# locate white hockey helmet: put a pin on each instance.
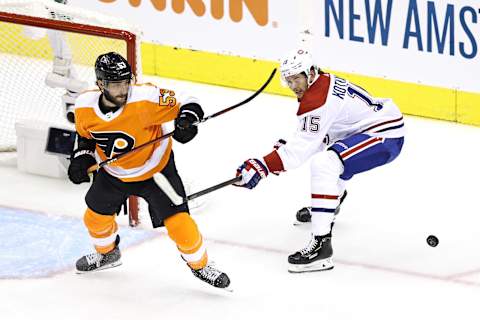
(296, 62)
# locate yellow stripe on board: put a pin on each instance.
(246, 73)
(415, 99)
(468, 107)
(212, 68)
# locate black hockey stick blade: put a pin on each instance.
(60, 141)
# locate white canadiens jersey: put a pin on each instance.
(330, 110)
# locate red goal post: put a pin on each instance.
(128, 37)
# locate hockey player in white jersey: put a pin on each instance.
(344, 130)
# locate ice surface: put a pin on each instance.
(384, 267)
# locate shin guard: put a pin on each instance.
(183, 230)
(102, 230)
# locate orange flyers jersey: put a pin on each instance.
(148, 114)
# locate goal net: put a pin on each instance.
(47, 53)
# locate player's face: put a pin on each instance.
(298, 84)
(117, 91)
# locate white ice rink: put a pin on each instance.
(383, 267)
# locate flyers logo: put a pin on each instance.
(167, 98)
(114, 142)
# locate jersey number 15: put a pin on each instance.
(311, 124)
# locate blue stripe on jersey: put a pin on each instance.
(323, 210)
(391, 128)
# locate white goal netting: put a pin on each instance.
(62, 50)
(43, 69)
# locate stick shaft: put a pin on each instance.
(212, 188)
(244, 101)
(97, 166)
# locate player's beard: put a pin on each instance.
(119, 101)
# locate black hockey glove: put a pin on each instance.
(184, 128)
(81, 159)
(80, 162)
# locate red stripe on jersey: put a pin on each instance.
(363, 145)
(324, 196)
(381, 124)
(315, 96)
(274, 162)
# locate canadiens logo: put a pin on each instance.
(113, 142)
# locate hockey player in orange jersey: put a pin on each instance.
(113, 120)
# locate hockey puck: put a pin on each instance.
(432, 241)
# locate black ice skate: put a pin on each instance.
(304, 215)
(212, 276)
(97, 261)
(316, 256)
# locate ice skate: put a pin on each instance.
(98, 261)
(213, 276)
(316, 256)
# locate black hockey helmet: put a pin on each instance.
(112, 66)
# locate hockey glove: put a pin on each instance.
(185, 130)
(252, 171)
(80, 162)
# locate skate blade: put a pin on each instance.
(228, 289)
(300, 223)
(107, 266)
(209, 286)
(297, 223)
(320, 265)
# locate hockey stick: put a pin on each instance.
(55, 148)
(216, 114)
(177, 200)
